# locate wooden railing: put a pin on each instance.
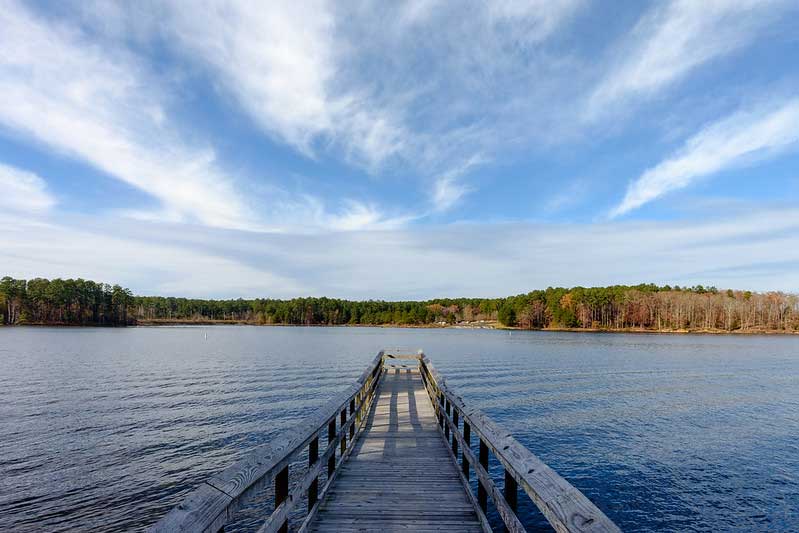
(566, 508)
(214, 503)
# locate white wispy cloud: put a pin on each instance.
(276, 62)
(730, 141)
(572, 194)
(756, 249)
(448, 190)
(281, 65)
(23, 191)
(676, 38)
(409, 90)
(101, 105)
(310, 214)
(44, 248)
(529, 20)
(94, 100)
(355, 80)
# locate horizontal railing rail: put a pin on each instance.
(564, 506)
(402, 353)
(214, 503)
(401, 361)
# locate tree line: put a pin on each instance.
(652, 307)
(618, 307)
(64, 302)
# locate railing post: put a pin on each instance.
(343, 433)
(511, 492)
(281, 493)
(439, 410)
(352, 412)
(454, 436)
(331, 437)
(446, 426)
(313, 457)
(467, 441)
(482, 495)
(359, 408)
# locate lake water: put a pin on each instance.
(106, 429)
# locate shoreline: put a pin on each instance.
(487, 326)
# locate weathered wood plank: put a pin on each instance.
(386, 473)
(281, 513)
(204, 510)
(564, 506)
(400, 476)
(503, 507)
(401, 354)
(334, 468)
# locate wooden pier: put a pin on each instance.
(400, 448)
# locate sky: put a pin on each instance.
(400, 150)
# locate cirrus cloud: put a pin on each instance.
(23, 191)
(675, 38)
(733, 140)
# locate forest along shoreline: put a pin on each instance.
(645, 308)
(491, 326)
(498, 327)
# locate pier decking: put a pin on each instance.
(400, 476)
(393, 442)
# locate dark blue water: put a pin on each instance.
(106, 429)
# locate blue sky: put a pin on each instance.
(400, 150)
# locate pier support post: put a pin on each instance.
(467, 441)
(482, 495)
(313, 456)
(331, 437)
(359, 408)
(281, 493)
(440, 411)
(352, 412)
(343, 433)
(511, 492)
(446, 426)
(454, 436)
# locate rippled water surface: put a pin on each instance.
(106, 429)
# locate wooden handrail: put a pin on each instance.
(213, 504)
(394, 354)
(566, 508)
